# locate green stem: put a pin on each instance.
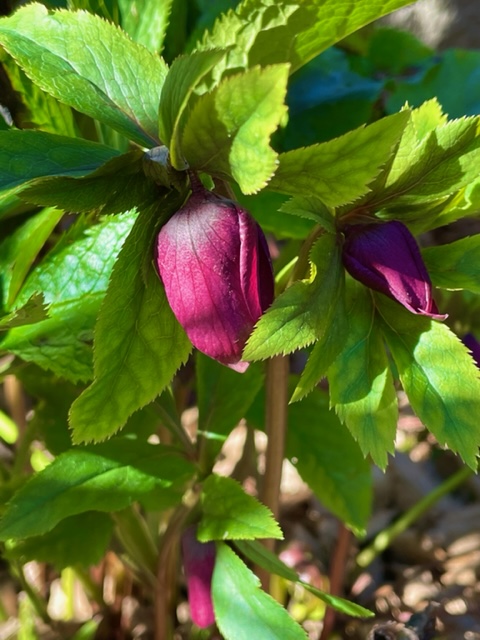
(385, 537)
(35, 598)
(133, 533)
(276, 429)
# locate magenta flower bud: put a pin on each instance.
(198, 564)
(385, 257)
(215, 265)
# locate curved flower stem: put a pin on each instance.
(276, 428)
(385, 537)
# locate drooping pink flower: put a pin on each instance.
(215, 265)
(198, 564)
(385, 257)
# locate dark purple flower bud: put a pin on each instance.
(215, 265)
(386, 257)
(473, 345)
(198, 564)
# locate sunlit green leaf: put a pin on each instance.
(242, 610)
(439, 377)
(340, 170)
(73, 279)
(229, 129)
(261, 556)
(228, 513)
(455, 265)
(139, 344)
(103, 477)
(303, 313)
(361, 383)
(80, 59)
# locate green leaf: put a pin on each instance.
(438, 376)
(117, 186)
(25, 155)
(261, 556)
(269, 32)
(73, 279)
(79, 540)
(139, 344)
(242, 610)
(38, 108)
(146, 21)
(340, 170)
(229, 513)
(455, 265)
(19, 251)
(441, 163)
(361, 383)
(303, 313)
(81, 60)
(33, 311)
(325, 350)
(182, 78)
(104, 477)
(229, 129)
(330, 461)
(312, 208)
(223, 399)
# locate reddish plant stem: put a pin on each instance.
(337, 576)
(276, 429)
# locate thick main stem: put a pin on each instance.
(276, 429)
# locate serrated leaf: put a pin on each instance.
(242, 610)
(73, 279)
(19, 251)
(325, 349)
(228, 513)
(33, 311)
(340, 170)
(312, 208)
(146, 21)
(37, 107)
(25, 155)
(223, 399)
(361, 383)
(180, 82)
(330, 461)
(441, 163)
(104, 477)
(79, 540)
(269, 32)
(117, 186)
(261, 556)
(303, 313)
(229, 129)
(438, 375)
(139, 345)
(455, 265)
(80, 59)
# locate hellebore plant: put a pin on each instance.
(198, 565)
(215, 265)
(385, 257)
